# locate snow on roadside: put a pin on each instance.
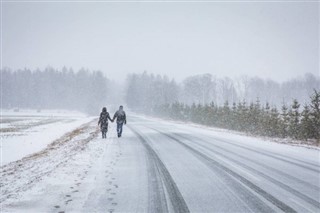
(22, 175)
(66, 177)
(235, 134)
(26, 132)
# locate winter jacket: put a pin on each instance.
(121, 116)
(103, 120)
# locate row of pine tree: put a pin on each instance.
(294, 121)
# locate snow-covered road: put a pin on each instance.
(160, 166)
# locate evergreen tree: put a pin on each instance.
(294, 120)
(213, 114)
(239, 116)
(315, 114)
(252, 118)
(284, 121)
(225, 116)
(243, 120)
(266, 126)
(193, 113)
(176, 111)
(207, 112)
(234, 117)
(258, 118)
(307, 128)
(199, 114)
(274, 123)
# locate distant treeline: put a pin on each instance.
(147, 90)
(144, 91)
(54, 89)
(193, 100)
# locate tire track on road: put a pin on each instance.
(159, 176)
(213, 164)
(272, 155)
(276, 182)
(187, 137)
(298, 162)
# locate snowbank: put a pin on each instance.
(28, 131)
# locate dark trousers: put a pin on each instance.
(119, 128)
(104, 130)
(104, 134)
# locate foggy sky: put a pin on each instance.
(278, 40)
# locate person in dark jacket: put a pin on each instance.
(121, 119)
(103, 122)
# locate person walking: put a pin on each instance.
(121, 119)
(103, 122)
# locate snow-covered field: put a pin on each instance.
(160, 166)
(28, 131)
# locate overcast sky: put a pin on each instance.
(278, 40)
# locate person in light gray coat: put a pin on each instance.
(121, 119)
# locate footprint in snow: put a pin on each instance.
(68, 201)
